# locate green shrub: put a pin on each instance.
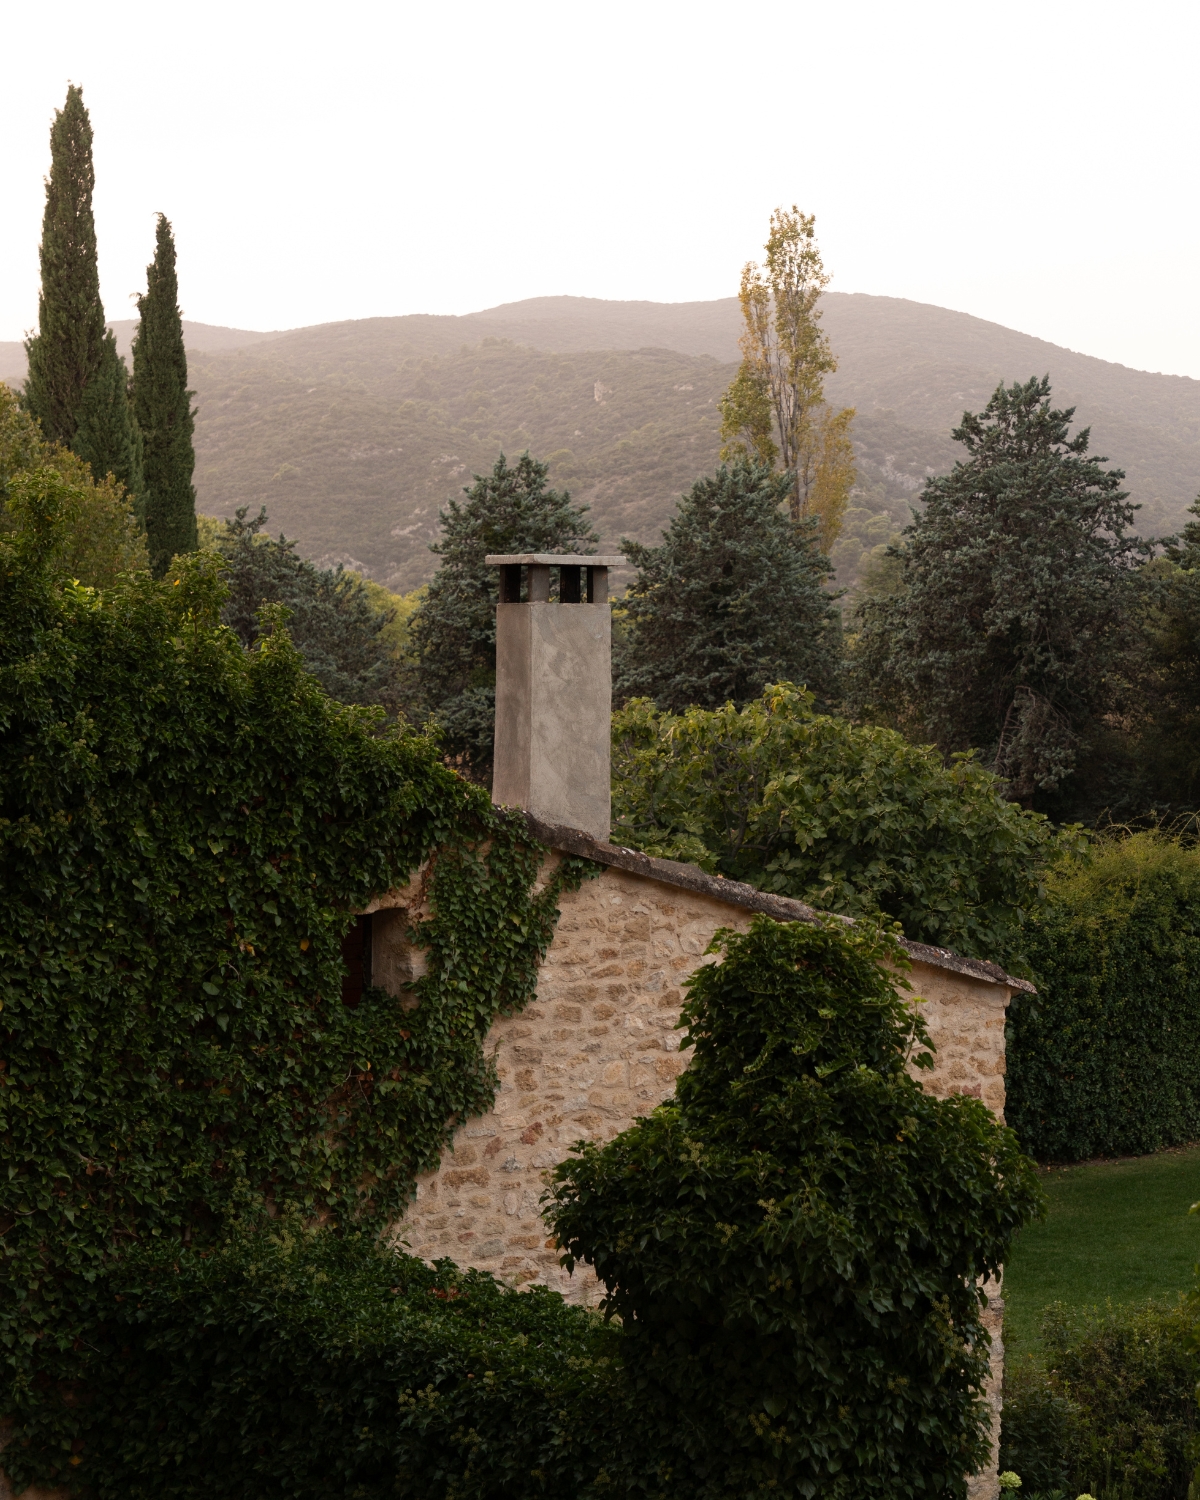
(849, 818)
(1115, 1412)
(186, 829)
(302, 1364)
(1106, 1060)
(794, 1243)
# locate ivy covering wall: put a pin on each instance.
(186, 830)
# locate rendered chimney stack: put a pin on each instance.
(554, 690)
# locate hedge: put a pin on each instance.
(1106, 1060)
(285, 1362)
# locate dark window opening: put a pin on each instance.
(356, 955)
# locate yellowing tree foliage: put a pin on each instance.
(100, 537)
(775, 409)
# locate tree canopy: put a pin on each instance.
(1010, 625)
(733, 599)
(849, 818)
(335, 625)
(453, 632)
(99, 537)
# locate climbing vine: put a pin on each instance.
(186, 832)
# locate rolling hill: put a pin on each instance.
(355, 434)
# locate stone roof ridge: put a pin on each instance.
(690, 877)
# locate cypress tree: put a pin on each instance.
(163, 408)
(68, 348)
(107, 436)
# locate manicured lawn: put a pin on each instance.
(1115, 1231)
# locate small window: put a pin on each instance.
(356, 955)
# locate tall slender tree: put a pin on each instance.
(77, 384)
(775, 409)
(68, 348)
(163, 408)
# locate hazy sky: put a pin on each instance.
(1032, 163)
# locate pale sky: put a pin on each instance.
(1031, 163)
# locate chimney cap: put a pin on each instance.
(553, 560)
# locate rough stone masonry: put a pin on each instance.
(598, 1047)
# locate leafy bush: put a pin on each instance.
(850, 818)
(298, 1363)
(99, 536)
(1115, 1411)
(794, 1243)
(1106, 1060)
(186, 829)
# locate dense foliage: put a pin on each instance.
(337, 626)
(1009, 631)
(285, 1362)
(77, 386)
(1114, 1412)
(163, 407)
(107, 437)
(99, 537)
(453, 632)
(1171, 745)
(67, 349)
(731, 600)
(1106, 1060)
(794, 1242)
(849, 818)
(186, 828)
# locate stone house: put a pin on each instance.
(598, 1047)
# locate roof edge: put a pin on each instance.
(735, 893)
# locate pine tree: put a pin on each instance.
(454, 631)
(162, 406)
(731, 601)
(107, 436)
(68, 348)
(1011, 627)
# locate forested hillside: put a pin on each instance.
(355, 434)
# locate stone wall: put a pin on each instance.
(598, 1048)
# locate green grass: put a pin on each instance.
(1114, 1232)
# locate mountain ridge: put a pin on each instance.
(355, 433)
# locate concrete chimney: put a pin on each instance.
(554, 689)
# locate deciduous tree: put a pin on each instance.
(731, 600)
(163, 407)
(775, 409)
(98, 537)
